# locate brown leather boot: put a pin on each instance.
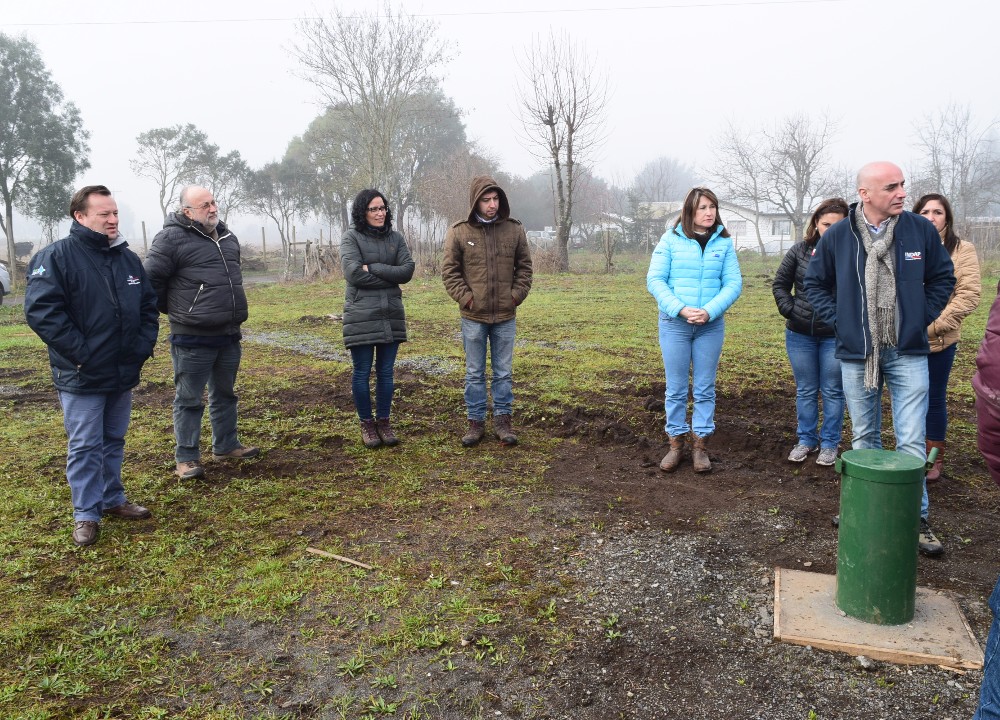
(673, 458)
(503, 426)
(369, 434)
(934, 474)
(475, 433)
(384, 430)
(699, 454)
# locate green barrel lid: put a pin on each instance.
(884, 466)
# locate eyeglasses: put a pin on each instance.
(379, 209)
(203, 206)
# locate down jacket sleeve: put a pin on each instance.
(732, 284)
(965, 298)
(49, 311)
(657, 279)
(400, 271)
(352, 264)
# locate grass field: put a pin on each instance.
(214, 609)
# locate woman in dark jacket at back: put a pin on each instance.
(376, 262)
(811, 345)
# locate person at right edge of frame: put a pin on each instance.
(487, 271)
(986, 383)
(880, 277)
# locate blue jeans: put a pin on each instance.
(989, 693)
(939, 370)
(690, 350)
(384, 357)
(816, 371)
(95, 426)
(500, 336)
(195, 367)
(906, 377)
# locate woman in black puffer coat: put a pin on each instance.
(811, 345)
(376, 262)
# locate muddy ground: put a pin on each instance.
(668, 578)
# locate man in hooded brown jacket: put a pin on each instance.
(487, 271)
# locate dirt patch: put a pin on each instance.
(666, 581)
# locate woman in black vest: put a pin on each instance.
(376, 262)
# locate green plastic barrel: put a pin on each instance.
(880, 494)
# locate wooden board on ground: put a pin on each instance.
(806, 613)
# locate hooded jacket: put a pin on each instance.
(986, 383)
(682, 274)
(197, 279)
(92, 305)
(488, 264)
(794, 307)
(373, 301)
(834, 284)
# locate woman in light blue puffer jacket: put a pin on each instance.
(694, 276)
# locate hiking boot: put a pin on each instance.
(369, 434)
(800, 452)
(934, 474)
(129, 511)
(674, 456)
(927, 541)
(475, 433)
(385, 432)
(699, 454)
(85, 532)
(503, 426)
(240, 452)
(189, 470)
(827, 456)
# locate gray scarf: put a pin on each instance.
(880, 292)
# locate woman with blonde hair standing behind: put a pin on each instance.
(943, 334)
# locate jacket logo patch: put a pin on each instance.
(913, 255)
(133, 280)
(40, 270)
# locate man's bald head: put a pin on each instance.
(881, 189)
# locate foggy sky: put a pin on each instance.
(679, 71)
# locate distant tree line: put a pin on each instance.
(389, 124)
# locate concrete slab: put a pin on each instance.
(806, 613)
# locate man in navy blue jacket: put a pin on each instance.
(88, 299)
(880, 277)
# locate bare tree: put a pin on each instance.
(563, 98)
(172, 157)
(784, 168)
(961, 160)
(663, 179)
(372, 65)
(281, 191)
(739, 172)
(227, 176)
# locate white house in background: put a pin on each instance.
(775, 228)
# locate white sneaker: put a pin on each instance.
(827, 456)
(800, 452)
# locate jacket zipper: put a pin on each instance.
(196, 296)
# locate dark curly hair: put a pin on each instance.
(359, 211)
